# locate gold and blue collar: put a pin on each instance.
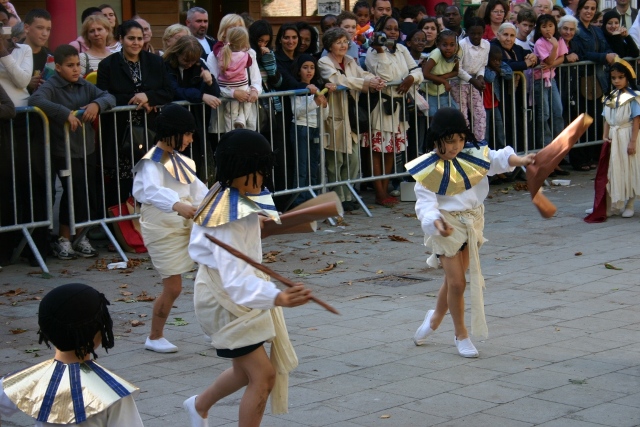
(618, 98)
(182, 168)
(223, 205)
(451, 177)
(61, 393)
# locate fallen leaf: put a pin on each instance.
(431, 295)
(385, 416)
(31, 350)
(386, 226)
(398, 238)
(379, 272)
(13, 292)
(329, 267)
(126, 293)
(611, 267)
(18, 331)
(411, 215)
(143, 297)
(578, 253)
(142, 315)
(270, 257)
(123, 286)
(179, 321)
(300, 272)
(578, 382)
(520, 186)
(135, 323)
(189, 276)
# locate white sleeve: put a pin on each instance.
(198, 190)
(254, 72)
(634, 31)
(124, 413)
(500, 161)
(7, 407)
(414, 70)
(19, 66)
(462, 73)
(427, 209)
(238, 278)
(380, 64)
(147, 187)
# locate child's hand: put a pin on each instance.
(253, 95)
(405, 85)
(611, 57)
(74, 122)
(241, 95)
(211, 100)
(332, 87)
(606, 139)
(631, 149)
(623, 31)
(525, 160)
(572, 57)
(184, 210)
(35, 83)
(313, 89)
(447, 86)
(293, 297)
(91, 111)
(361, 39)
(553, 41)
(443, 227)
(206, 77)
(320, 101)
(478, 83)
(265, 50)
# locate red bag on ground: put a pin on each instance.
(127, 231)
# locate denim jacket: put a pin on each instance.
(492, 77)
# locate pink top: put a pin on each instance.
(236, 73)
(542, 49)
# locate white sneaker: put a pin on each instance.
(466, 347)
(161, 345)
(83, 248)
(62, 249)
(195, 420)
(589, 211)
(420, 337)
(628, 213)
(395, 193)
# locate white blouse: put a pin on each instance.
(238, 278)
(15, 74)
(154, 185)
(429, 204)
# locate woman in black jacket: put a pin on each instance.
(138, 78)
(191, 81)
(618, 37)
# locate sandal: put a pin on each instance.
(389, 202)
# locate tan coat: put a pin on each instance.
(337, 124)
(392, 67)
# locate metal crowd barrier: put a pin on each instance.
(336, 170)
(26, 198)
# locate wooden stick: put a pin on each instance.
(285, 281)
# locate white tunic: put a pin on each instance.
(238, 278)
(429, 204)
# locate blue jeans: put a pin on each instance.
(308, 159)
(548, 112)
(443, 100)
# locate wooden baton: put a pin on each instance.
(285, 281)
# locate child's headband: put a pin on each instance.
(627, 66)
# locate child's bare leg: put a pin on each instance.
(455, 268)
(442, 306)
(172, 286)
(253, 370)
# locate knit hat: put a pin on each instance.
(448, 121)
(243, 152)
(70, 316)
(174, 120)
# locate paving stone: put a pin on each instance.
(610, 414)
(532, 410)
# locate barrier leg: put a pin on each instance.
(114, 241)
(34, 249)
(358, 199)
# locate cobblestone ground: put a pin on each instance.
(563, 328)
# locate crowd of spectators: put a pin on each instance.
(485, 55)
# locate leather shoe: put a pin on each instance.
(195, 420)
(420, 337)
(466, 347)
(161, 345)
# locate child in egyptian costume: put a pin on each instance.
(169, 191)
(72, 389)
(617, 183)
(238, 307)
(451, 185)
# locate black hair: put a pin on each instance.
(243, 152)
(172, 123)
(297, 64)
(409, 11)
(127, 26)
(445, 123)
(71, 315)
(544, 19)
(258, 29)
(411, 35)
(313, 44)
(446, 33)
(36, 13)
(281, 31)
(526, 15)
(621, 68)
(474, 22)
(64, 51)
(440, 8)
(495, 49)
(375, 2)
(361, 5)
(379, 27)
(90, 11)
(323, 21)
(581, 5)
(427, 20)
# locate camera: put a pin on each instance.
(380, 39)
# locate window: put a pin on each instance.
(296, 8)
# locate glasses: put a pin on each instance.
(342, 43)
(498, 12)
